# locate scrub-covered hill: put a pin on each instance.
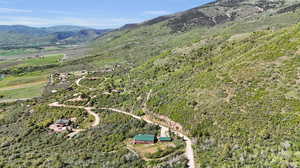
(233, 87)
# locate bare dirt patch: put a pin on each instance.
(298, 52)
(239, 37)
(143, 149)
(280, 60)
(163, 120)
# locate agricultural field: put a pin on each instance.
(7, 53)
(71, 52)
(19, 83)
(27, 85)
(45, 60)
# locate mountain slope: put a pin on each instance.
(232, 86)
(238, 96)
(222, 11)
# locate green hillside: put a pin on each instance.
(238, 95)
(233, 86)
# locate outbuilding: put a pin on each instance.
(165, 139)
(144, 139)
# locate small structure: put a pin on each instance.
(144, 139)
(165, 139)
(61, 125)
(63, 122)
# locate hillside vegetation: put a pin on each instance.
(234, 87)
(232, 84)
(238, 97)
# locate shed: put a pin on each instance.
(165, 139)
(144, 139)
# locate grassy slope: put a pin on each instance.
(239, 98)
(135, 46)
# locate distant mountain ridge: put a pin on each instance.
(15, 36)
(219, 12)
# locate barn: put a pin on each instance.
(144, 139)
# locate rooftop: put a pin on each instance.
(63, 121)
(165, 139)
(144, 137)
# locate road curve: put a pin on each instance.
(78, 81)
(87, 109)
(189, 152)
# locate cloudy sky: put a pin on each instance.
(91, 13)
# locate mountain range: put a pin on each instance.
(25, 36)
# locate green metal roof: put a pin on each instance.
(165, 139)
(144, 137)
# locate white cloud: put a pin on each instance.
(156, 12)
(87, 22)
(11, 10)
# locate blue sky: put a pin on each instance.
(91, 13)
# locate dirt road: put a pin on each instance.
(78, 81)
(189, 152)
(87, 109)
(189, 149)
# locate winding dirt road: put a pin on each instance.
(87, 109)
(189, 152)
(78, 81)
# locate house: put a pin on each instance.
(61, 125)
(63, 122)
(165, 139)
(144, 139)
